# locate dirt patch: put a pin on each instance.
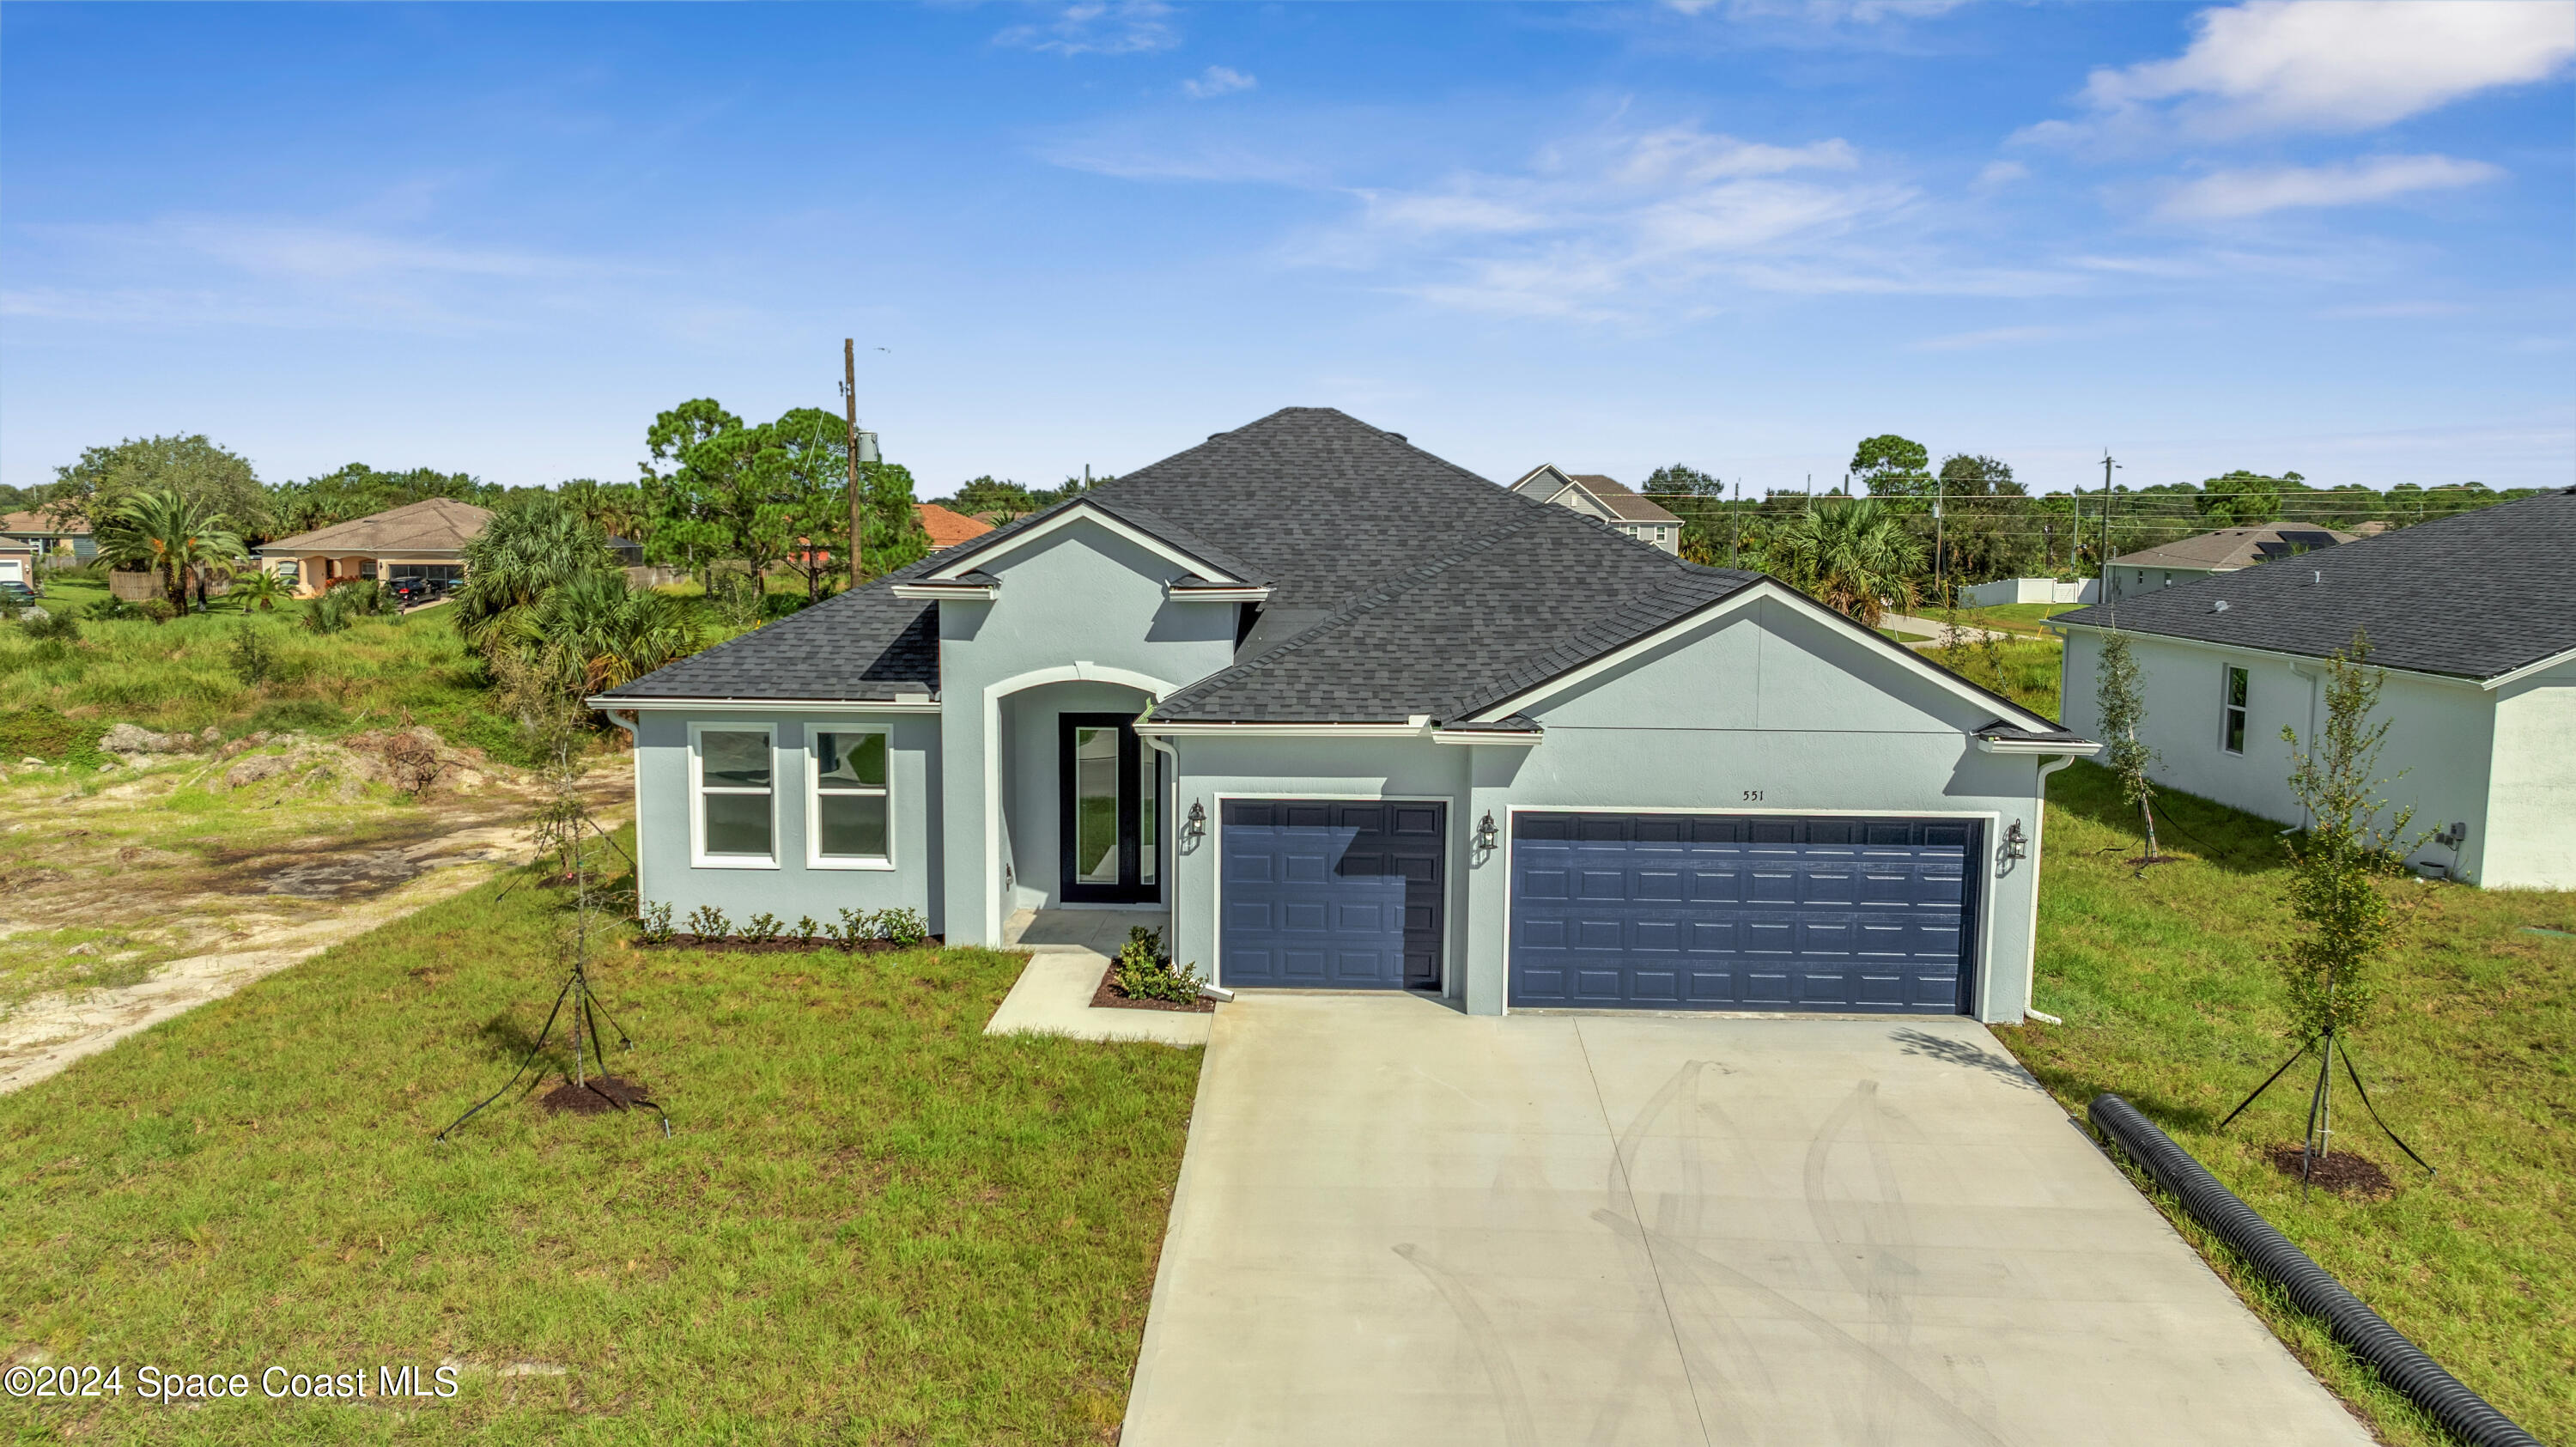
(2344, 1172)
(1110, 997)
(737, 945)
(596, 1096)
(342, 875)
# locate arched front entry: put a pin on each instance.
(1075, 810)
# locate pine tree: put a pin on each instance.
(2123, 706)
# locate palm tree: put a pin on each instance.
(611, 633)
(169, 534)
(524, 553)
(262, 587)
(1854, 557)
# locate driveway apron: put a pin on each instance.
(1398, 1224)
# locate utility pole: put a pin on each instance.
(850, 407)
(2105, 560)
(1735, 528)
(1940, 573)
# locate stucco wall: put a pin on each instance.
(663, 818)
(1767, 701)
(1082, 604)
(2531, 806)
(2436, 755)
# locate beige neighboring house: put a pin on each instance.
(28, 538)
(2223, 551)
(424, 539)
(1595, 496)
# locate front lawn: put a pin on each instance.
(2169, 1001)
(873, 1223)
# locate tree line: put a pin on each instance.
(1906, 531)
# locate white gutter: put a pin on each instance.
(2079, 749)
(1220, 594)
(2314, 659)
(2039, 814)
(1508, 738)
(1419, 726)
(933, 592)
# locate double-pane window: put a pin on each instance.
(852, 815)
(2234, 712)
(734, 785)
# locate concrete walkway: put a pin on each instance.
(1397, 1224)
(1068, 950)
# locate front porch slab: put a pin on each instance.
(1067, 951)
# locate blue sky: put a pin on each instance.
(2333, 238)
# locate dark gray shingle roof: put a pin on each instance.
(2477, 595)
(864, 644)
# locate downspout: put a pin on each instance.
(1169, 801)
(2039, 816)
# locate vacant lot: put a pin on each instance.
(872, 1223)
(2170, 1001)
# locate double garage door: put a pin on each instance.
(1735, 912)
(1332, 894)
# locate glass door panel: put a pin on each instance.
(1108, 797)
(1095, 806)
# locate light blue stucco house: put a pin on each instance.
(1352, 717)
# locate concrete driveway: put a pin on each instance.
(1397, 1224)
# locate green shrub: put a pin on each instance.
(253, 657)
(806, 929)
(761, 928)
(852, 930)
(709, 923)
(110, 610)
(902, 926)
(1144, 973)
(655, 920)
(54, 627)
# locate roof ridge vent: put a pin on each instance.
(2218, 606)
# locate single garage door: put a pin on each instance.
(1332, 894)
(1733, 912)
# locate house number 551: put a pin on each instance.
(1752, 796)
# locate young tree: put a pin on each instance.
(2123, 706)
(220, 482)
(896, 538)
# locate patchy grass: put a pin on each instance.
(2170, 1000)
(873, 1223)
(2018, 617)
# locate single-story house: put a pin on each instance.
(1355, 718)
(2223, 551)
(18, 564)
(2474, 623)
(424, 539)
(1613, 503)
(36, 535)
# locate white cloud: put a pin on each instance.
(1999, 174)
(2331, 65)
(1216, 80)
(1822, 12)
(1098, 27)
(2227, 195)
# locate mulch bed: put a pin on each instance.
(602, 1094)
(788, 945)
(2343, 1172)
(1109, 997)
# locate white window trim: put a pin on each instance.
(698, 856)
(815, 858)
(2227, 706)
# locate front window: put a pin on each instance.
(852, 813)
(2234, 710)
(735, 820)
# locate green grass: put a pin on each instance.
(179, 675)
(2018, 617)
(873, 1223)
(2170, 1001)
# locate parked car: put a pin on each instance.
(411, 589)
(12, 588)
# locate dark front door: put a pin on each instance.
(1106, 785)
(1333, 894)
(1719, 912)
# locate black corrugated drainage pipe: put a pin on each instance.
(2399, 1362)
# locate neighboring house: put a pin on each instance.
(18, 564)
(1595, 496)
(1357, 718)
(424, 539)
(948, 528)
(42, 535)
(2223, 551)
(2030, 590)
(2474, 621)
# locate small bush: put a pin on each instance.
(110, 610)
(902, 926)
(762, 928)
(156, 610)
(852, 930)
(655, 921)
(1145, 974)
(253, 656)
(806, 929)
(52, 627)
(709, 923)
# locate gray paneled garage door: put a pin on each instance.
(1737, 912)
(1332, 894)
